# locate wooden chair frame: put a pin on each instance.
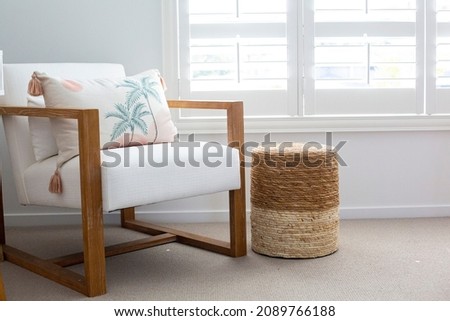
(93, 282)
(2, 289)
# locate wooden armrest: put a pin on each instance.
(70, 113)
(205, 104)
(235, 116)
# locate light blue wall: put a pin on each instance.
(118, 31)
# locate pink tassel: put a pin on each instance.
(34, 86)
(55, 185)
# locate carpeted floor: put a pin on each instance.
(407, 259)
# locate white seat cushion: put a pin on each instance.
(135, 176)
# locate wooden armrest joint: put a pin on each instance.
(235, 116)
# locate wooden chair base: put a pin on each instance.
(56, 268)
(2, 287)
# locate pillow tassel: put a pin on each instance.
(163, 83)
(55, 185)
(34, 86)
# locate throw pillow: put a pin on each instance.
(132, 110)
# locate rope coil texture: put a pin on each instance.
(294, 201)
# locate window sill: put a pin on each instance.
(363, 123)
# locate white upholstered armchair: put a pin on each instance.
(92, 184)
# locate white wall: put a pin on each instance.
(121, 31)
(389, 173)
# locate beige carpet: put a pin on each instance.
(376, 260)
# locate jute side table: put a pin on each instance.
(294, 201)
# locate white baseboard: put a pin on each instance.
(222, 216)
(386, 212)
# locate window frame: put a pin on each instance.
(298, 120)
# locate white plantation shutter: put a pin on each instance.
(440, 84)
(362, 57)
(302, 59)
(237, 49)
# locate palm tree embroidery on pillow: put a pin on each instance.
(131, 112)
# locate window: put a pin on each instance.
(237, 49)
(363, 57)
(294, 59)
(440, 85)
(231, 49)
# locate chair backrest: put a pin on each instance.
(16, 78)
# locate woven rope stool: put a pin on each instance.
(294, 201)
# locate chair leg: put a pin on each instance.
(2, 220)
(238, 230)
(238, 215)
(91, 203)
(2, 289)
(126, 214)
(93, 245)
(2, 241)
